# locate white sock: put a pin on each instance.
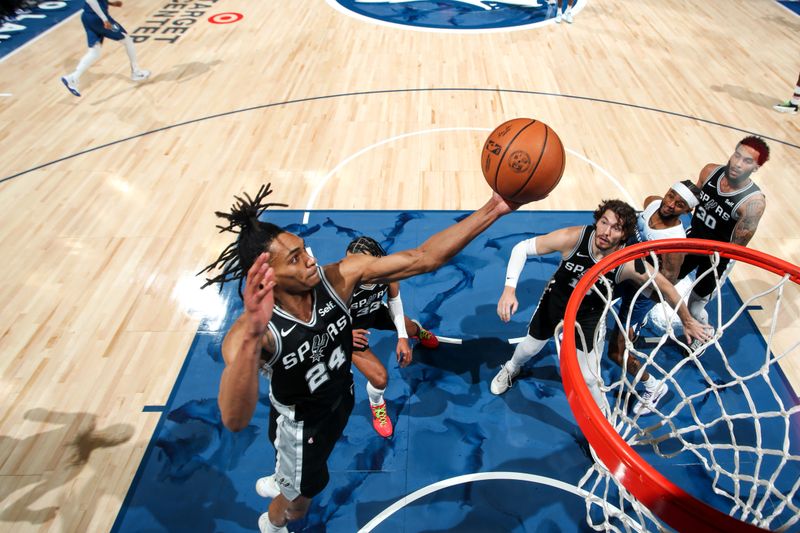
(128, 42)
(590, 367)
(375, 395)
(86, 61)
(272, 528)
(523, 352)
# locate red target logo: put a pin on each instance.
(225, 18)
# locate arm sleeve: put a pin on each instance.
(398, 317)
(519, 254)
(96, 8)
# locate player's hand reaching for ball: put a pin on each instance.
(504, 206)
(508, 304)
(259, 298)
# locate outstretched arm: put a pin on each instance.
(749, 215)
(430, 255)
(562, 240)
(692, 329)
(241, 349)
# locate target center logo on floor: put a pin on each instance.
(453, 15)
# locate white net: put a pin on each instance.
(726, 428)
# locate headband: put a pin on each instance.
(684, 192)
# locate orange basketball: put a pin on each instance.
(523, 160)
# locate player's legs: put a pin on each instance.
(301, 455)
(541, 327)
(282, 511)
(616, 349)
(636, 309)
(704, 288)
(137, 74)
(523, 353)
(590, 368)
(377, 379)
(568, 16)
(72, 80)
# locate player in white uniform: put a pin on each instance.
(659, 220)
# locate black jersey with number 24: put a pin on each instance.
(310, 369)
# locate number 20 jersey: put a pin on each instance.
(310, 369)
(715, 218)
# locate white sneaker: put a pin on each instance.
(650, 399)
(558, 17)
(502, 381)
(71, 84)
(786, 107)
(267, 487)
(140, 75)
(568, 17)
(263, 524)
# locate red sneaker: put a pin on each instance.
(427, 339)
(381, 421)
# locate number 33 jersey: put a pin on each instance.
(310, 369)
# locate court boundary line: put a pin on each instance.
(470, 478)
(392, 91)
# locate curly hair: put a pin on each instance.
(254, 237)
(625, 213)
(366, 245)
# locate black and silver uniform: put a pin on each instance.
(367, 304)
(310, 369)
(571, 270)
(715, 218)
(553, 303)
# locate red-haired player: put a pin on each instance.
(731, 205)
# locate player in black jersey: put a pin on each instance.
(369, 311)
(731, 205)
(581, 247)
(296, 328)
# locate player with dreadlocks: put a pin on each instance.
(296, 328)
(369, 310)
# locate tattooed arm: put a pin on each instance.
(749, 215)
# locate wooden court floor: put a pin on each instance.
(107, 201)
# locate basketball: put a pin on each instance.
(523, 160)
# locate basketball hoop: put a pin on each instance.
(760, 494)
